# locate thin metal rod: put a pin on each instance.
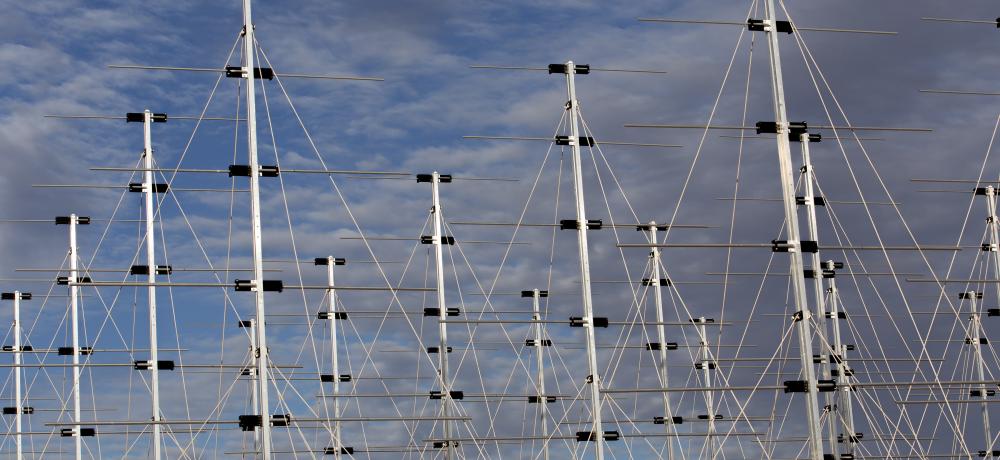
(973, 21)
(516, 224)
(109, 186)
(767, 245)
(739, 128)
(235, 422)
(744, 23)
(405, 238)
(226, 171)
(960, 92)
(204, 69)
(545, 69)
(548, 139)
(116, 117)
(224, 285)
(594, 379)
(877, 203)
(824, 137)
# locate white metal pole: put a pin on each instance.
(818, 289)
(845, 402)
(661, 334)
(148, 192)
(581, 224)
(994, 230)
(543, 408)
(18, 404)
(442, 314)
(792, 231)
(335, 363)
(975, 331)
(254, 383)
(75, 325)
(706, 374)
(261, 353)
(991, 202)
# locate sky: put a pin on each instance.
(56, 56)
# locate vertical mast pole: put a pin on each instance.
(335, 363)
(661, 333)
(706, 370)
(581, 230)
(254, 382)
(75, 325)
(18, 405)
(442, 314)
(796, 274)
(148, 191)
(261, 353)
(818, 290)
(845, 403)
(543, 408)
(991, 202)
(975, 332)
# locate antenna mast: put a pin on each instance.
(793, 245)
(19, 408)
(661, 333)
(540, 342)
(335, 363)
(809, 201)
(442, 314)
(594, 380)
(976, 320)
(74, 306)
(148, 189)
(261, 352)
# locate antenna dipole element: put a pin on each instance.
(594, 379)
(261, 351)
(796, 275)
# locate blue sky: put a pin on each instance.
(55, 56)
